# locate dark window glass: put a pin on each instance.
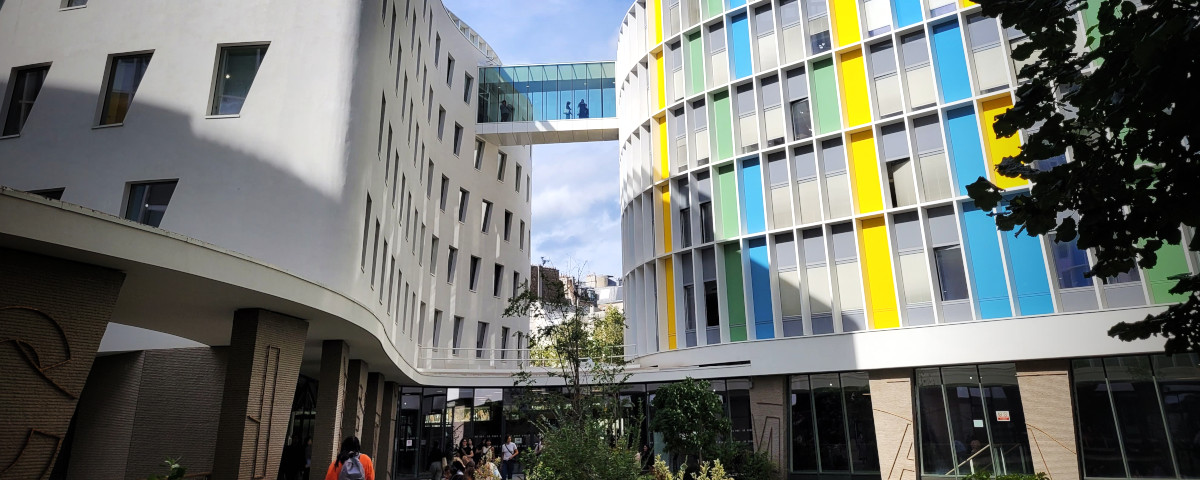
(937, 450)
(235, 74)
(1139, 419)
(804, 441)
(952, 278)
(801, 119)
(26, 85)
(148, 202)
(1179, 385)
(711, 315)
(860, 422)
(831, 428)
(1070, 263)
(685, 227)
(124, 76)
(1101, 450)
(706, 222)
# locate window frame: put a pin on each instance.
(215, 88)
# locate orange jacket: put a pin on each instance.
(368, 468)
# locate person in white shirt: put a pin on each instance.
(508, 454)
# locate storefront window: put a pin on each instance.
(971, 420)
(832, 424)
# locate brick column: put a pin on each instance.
(331, 391)
(766, 411)
(354, 405)
(1046, 399)
(891, 401)
(53, 313)
(373, 412)
(265, 351)
(387, 432)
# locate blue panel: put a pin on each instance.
(739, 43)
(1029, 274)
(951, 62)
(735, 3)
(987, 272)
(760, 289)
(752, 197)
(966, 153)
(908, 12)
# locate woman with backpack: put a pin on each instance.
(351, 465)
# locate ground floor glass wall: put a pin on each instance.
(971, 420)
(832, 426)
(1138, 416)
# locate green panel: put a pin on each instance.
(714, 7)
(1171, 262)
(727, 201)
(722, 120)
(695, 53)
(735, 293)
(824, 95)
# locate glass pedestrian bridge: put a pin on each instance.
(557, 103)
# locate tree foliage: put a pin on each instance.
(690, 417)
(1123, 103)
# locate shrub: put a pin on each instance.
(746, 464)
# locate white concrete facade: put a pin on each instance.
(285, 182)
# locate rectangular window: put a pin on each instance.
(124, 75)
(517, 183)
(27, 82)
(473, 278)
(987, 56)
(437, 49)
(497, 279)
(433, 255)
(451, 264)
(500, 166)
(1070, 263)
(148, 202)
(458, 134)
(441, 122)
(456, 341)
(375, 254)
(468, 84)
(392, 36)
(918, 71)
(391, 281)
(463, 197)
(480, 339)
(445, 192)
(362, 263)
(428, 180)
(486, 220)
(521, 240)
(508, 216)
(449, 70)
(478, 154)
(952, 277)
(503, 343)
(818, 25)
(382, 122)
(236, 69)
(437, 329)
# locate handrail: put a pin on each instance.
(985, 448)
(471, 358)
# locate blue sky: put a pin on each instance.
(576, 216)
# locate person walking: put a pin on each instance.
(508, 455)
(350, 464)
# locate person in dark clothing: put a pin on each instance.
(583, 109)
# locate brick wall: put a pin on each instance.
(891, 401)
(1046, 400)
(53, 313)
(104, 418)
(767, 412)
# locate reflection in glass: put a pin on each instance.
(235, 74)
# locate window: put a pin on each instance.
(458, 134)
(433, 254)
(480, 339)
(882, 60)
(148, 202)
(497, 279)
(382, 122)
(392, 36)
(468, 84)
(437, 329)
(236, 69)
(456, 341)
(362, 263)
(391, 280)
(987, 56)
(124, 75)
(75, 3)
(473, 277)
(818, 25)
(516, 284)
(479, 154)
(451, 264)
(521, 241)
(833, 427)
(952, 277)
(503, 343)
(960, 427)
(500, 165)
(437, 50)
(463, 197)
(429, 180)
(938, 7)
(375, 254)
(1070, 263)
(50, 193)
(486, 222)
(27, 82)
(441, 122)
(445, 192)
(517, 183)
(449, 70)
(508, 216)
(918, 72)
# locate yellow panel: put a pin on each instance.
(662, 81)
(666, 218)
(669, 298)
(845, 13)
(998, 148)
(966, 3)
(877, 274)
(857, 108)
(654, 20)
(664, 163)
(867, 193)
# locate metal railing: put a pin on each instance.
(511, 359)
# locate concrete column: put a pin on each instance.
(891, 402)
(1046, 399)
(387, 431)
(374, 414)
(354, 406)
(331, 393)
(265, 351)
(768, 415)
(53, 313)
